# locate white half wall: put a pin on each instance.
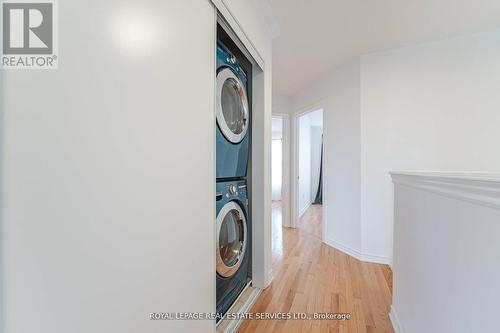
(446, 250)
(429, 107)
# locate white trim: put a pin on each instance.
(482, 176)
(396, 324)
(245, 308)
(285, 174)
(259, 177)
(365, 257)
(294, 196)
(303, 210)
(214, 177)
(294, 210)
(249, 283)
(343, 248)
(285, 186)
(376, 259)
(224, 10)
(270, 277)
(324, 179)
(476, 188)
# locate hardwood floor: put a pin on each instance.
(310, 277)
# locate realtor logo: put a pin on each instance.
(28, 34)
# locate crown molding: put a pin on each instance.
(477, 188)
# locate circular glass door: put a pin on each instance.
(232, 106)
(231, 239)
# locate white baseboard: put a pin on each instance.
(374, 258)
(304, 209)
(269, 278)
(245, 308)
(366, 257)
(344, 248)
(396, 324)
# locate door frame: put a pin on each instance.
(285, 169)
(295, 167)
(259, 178)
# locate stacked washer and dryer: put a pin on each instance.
(233, 227)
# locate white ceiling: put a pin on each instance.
(318, 35)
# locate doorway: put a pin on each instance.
(280, 178)
(309, 167)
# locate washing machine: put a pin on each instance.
(233, 230)
(233, 116)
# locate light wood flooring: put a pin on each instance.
(310, 276)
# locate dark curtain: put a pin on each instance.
(319, 194)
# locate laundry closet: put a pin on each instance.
(233, 224)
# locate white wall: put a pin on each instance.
(282, 105)
(446, 246)
(304, 164)
(429, 107)
(99, 215)
(338, 95)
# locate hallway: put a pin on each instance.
(310, 277)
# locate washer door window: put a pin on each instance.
(231, 239)
(232, 106)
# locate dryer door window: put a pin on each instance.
(231, 239)
(232, 106)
